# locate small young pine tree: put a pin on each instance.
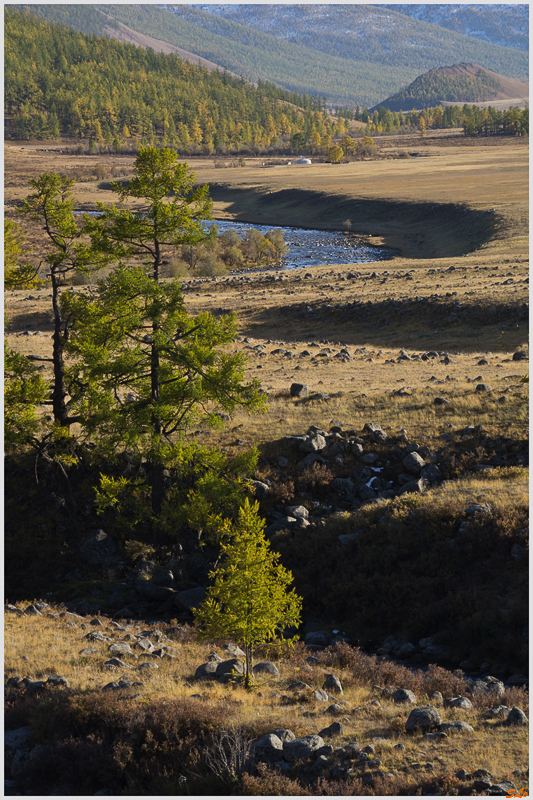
(249, 599)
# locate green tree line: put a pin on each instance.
(485, 121)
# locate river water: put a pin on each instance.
(313, 248)
(309, 247)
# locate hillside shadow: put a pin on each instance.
(407, 324)
(417, 230)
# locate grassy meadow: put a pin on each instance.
(456, 212)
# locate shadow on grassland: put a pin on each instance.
(414, 324)
(417, 230)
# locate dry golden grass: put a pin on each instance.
(462, 203)
(38, 647)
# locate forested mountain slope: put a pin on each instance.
(60, 81)
(354, 55)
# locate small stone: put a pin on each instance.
(335, 729)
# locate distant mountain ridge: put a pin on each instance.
(460, 83)
(498, 23)
(355, 55)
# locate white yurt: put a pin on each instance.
(304, 161)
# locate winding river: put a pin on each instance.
(313, 248)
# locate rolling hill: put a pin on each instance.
(461, 83)
(353, 54)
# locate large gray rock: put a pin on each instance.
(460, 702)
(489, 685)
(120, 647)
(498, 712)
(234, 649)
(232, 665)
(266, 667)
(15, 740)
(335, 729)
(151, 591)
(403, 696)
(260, 489)
(284, 734)
(190, 598)
(320, 696)
(299, 512)
(345, 487)
(268, 749)
(413, 463)
(284, 523)
(414, 487)
(457, 726)
(516, 717)
(313, 444)
(431, 473)
(299, 390)
(207, 670)
(332, 684)
(317, 638)
(503, 789)
(97, 548)
(422, 719)
(302, 748)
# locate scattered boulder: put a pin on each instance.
(207, 670)
(413, 462)
(190, 598)
(284, 734)
(151, 591)
(232, 666)
(260, 489)
(301, 749)
(516, 717)
(335, 729)
(498, 712)
(489, 684)
(332, 684)
(97, 548)
(268, 749)
(317, 638)
(459, 702)
(422, 719)
(404, 696)
(299, 390)
(457, 726)
(300, 512)
(266, 667)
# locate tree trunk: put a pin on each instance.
(59, 393)
(157, 467)
(248, 679)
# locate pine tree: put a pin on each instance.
(52, 204)
(249, 599)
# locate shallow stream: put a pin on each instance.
(312, 248)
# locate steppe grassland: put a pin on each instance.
(470, 176)
(479, 177)
(55, 648)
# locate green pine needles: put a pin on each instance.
(249, 599)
